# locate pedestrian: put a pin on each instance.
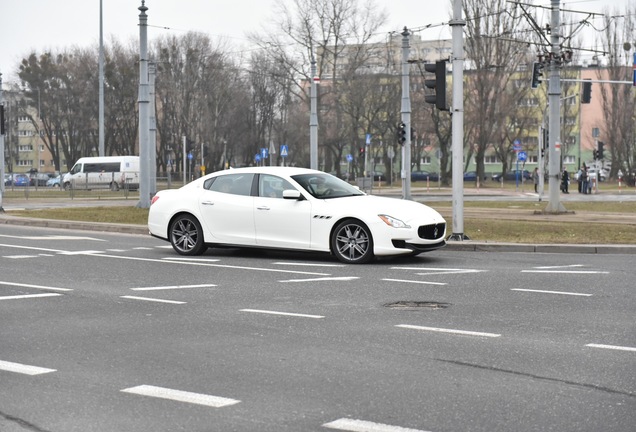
(535, 179)
(565, 181)
(584, 179)
(579, 178)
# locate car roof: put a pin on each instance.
(289, 171)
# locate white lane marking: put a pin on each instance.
(443, 330)
(556, 267)
(85, 252)
(613, 347)
(181, 396)
(439, 271)
(25, 296)
(354, 425)
(335, 278)
(19, 256)
(307, 264)
(566, 271)
(551, 292)
(23, 369)
(152, 299)
(414, 281)
(32, 248)
(116, 250)
(52, 237)
(193, 259)
(208, 264)
(169, 287)
(142, 248)
(281, 313)
(34, 286)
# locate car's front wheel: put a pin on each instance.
(186, 235)
(351, 242)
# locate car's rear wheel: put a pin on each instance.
(186, 235)
(351, 242)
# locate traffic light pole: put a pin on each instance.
(554, 94)
(1, 144)
(406, 118)
(144, 108)
(457, 144)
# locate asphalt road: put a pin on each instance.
(110, 332)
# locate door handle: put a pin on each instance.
(262, 208)
(207, 203)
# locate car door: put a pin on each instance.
(227, 209)
(280, 222)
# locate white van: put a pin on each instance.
(112, 172)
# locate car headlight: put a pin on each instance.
(391, 221)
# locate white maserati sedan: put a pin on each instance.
(294, 209)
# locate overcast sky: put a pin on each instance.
(41, 25)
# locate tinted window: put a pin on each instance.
(236, 184)
(272, 186)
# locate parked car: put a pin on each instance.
(39, 179)
(423, 176)
(470, 176)
(512, 175)
(592, 173)
(21, 180)
(55, 181)
(378, 176)
(291, 208)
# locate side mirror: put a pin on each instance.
(292, 194)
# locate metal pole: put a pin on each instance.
(184, 158)
(152, 147)
(313, 118)
(457, 145)
(1, 146)
(406, 117)
(144, 162)
(554, 93)
(101, 81)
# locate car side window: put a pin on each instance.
(272, 186)
(235, 184)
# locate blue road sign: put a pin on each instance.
(190, 156)
(257, 158)
(522, 156)
(349, 158)
(516, 145)
(284, 150)
(264, 153)
(368, 139)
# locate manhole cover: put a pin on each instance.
(416, 305)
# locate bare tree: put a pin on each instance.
(492, 100)
(618, 100)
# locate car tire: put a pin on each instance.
(186, 235)
(351, 242)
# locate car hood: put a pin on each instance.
(405, 210)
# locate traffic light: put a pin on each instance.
(361, 151)
(401, 133)
(599, 152)
(1, 119)
(595, 154)
(537, 73)
(438, 84)
(586, 97)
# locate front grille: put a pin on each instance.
(432, 232)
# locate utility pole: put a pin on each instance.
(406, 117)
(313, 117)
(457, 144)
(101, 82)
(554, 120)
(1, 144)
(144, 162)
(152, 147)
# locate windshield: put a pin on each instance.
(323, 186)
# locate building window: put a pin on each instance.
(25, 148)
(491, 160)
(569, 159)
